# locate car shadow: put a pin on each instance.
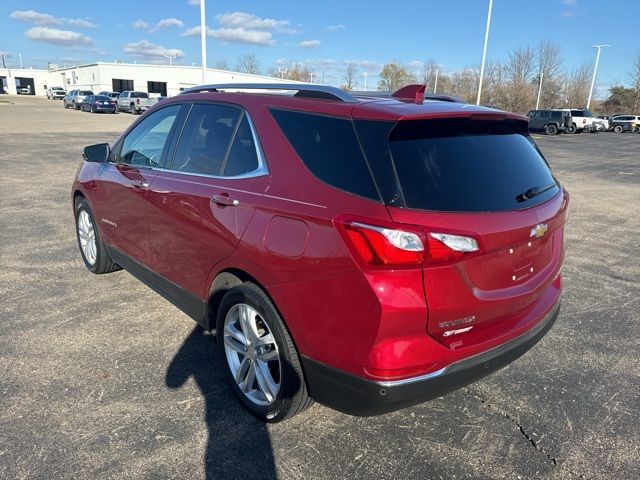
(238, 445)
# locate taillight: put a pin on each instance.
(385, 246)
(444, 247)
(398, 246)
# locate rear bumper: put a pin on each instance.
(358, 396)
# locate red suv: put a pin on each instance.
(369, 253)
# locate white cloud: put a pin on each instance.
(336, 28)
(79, 22)
(309, 43)
(34, 17)
(234, 35)
(140, 24)
(55, 36)
(570, 3)
(194, 2)
(45, 19)
(168, 22)
(148, 50)
(249, 21)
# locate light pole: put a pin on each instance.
(20, 57)
(595, 71)
(365, 80)
(484, 51)
(310, 77)
(435, 84)
(539, 89)
(283, 72)
(203, 41)
(170, 56)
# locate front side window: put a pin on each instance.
(216, 140)
(144, 144)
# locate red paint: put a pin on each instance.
(370, 320)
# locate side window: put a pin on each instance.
(205, 139)
(243, 156)
(144, 144)
(329, 148)
(545, 114)
(533, 114)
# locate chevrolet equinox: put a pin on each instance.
(367, 252)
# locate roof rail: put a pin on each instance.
(303, 90)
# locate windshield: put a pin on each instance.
(464, 165)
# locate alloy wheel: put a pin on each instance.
(87, 236)
(252, 354)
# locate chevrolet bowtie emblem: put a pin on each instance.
(539, 230)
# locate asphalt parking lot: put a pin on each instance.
(102, 378)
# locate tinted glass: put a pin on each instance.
(101, 98)
(139, 95)
(577, 113)
(205, 139)
(143, 146)
(329, 148)
(545, 114)
(85, 92)
(243, 156)
(468, 166)
(556, 115)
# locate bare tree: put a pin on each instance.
(350, 77)
(248, 63)
(464, 83)
(394, 75)
(577, 86)
(519, 90)
(634, 76)
(293, 71)
(427, 75)
(222, 65)
(549, 67)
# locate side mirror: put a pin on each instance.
(98, 153)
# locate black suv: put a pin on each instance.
(551, 122)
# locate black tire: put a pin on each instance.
(551, 130)
(65, 104)
(293, 396)
(93, 110)
(618, 129)
(75, 106)
(572, 128)
(132, 109)
(103, 262)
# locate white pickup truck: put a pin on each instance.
(134, 102)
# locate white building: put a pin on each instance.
(116, 77)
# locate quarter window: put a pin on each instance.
(329, 148)
(144, 144)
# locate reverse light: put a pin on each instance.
(445, 247)
(385, 246)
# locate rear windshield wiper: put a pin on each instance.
(534, 191)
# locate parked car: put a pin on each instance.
(552, 122)
(24, 90)
(582, 120)
(98, 103)
(623, 123)
(112, 95)
(134, 102)
(74, 98)
(56, 93)
(368, 253)
(601, 123)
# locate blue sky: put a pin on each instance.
(325, 36)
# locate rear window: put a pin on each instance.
(139, 95)
(85, 92)
(329, 148)
(468, 166)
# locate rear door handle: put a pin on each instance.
(224, 199)
(139, 184)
